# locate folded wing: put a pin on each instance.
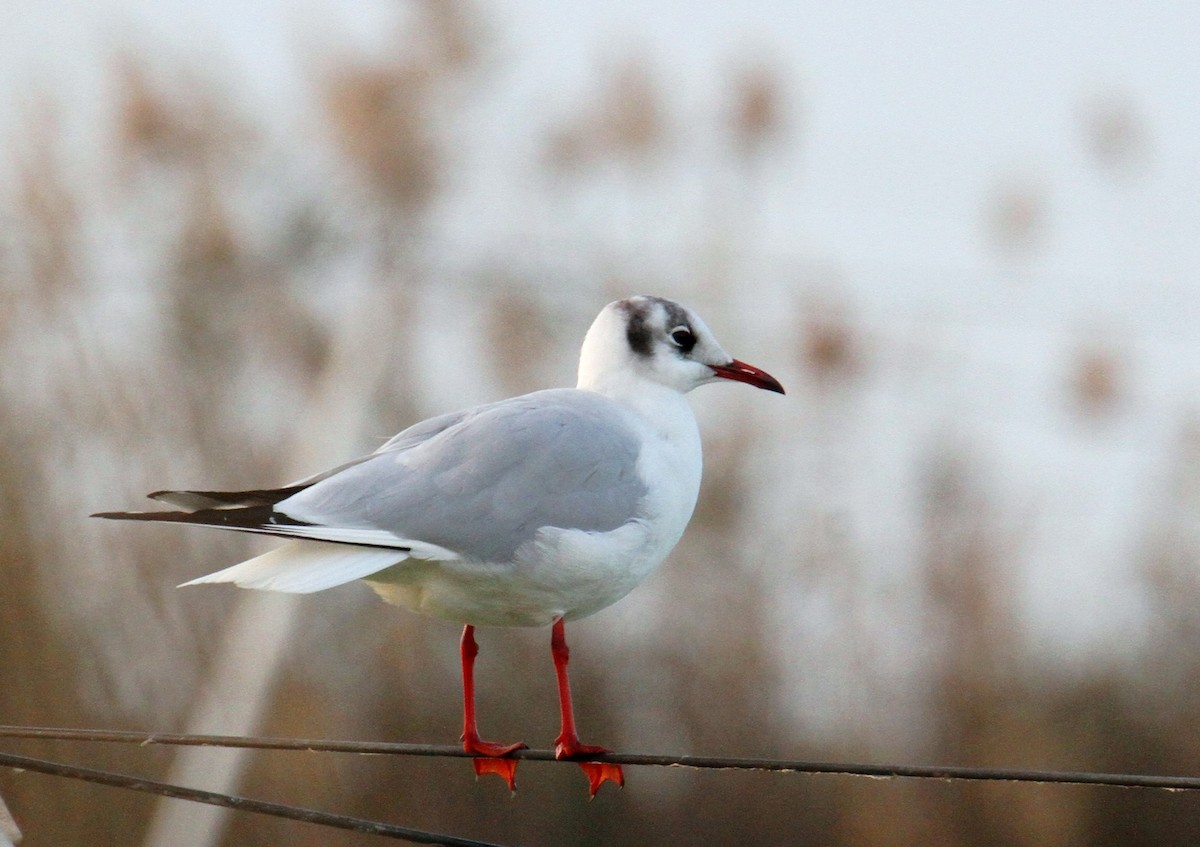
(484, 486)
(473, 485)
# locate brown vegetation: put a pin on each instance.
(201, 369)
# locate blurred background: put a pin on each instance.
(244, 241)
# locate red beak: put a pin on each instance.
(741, 372)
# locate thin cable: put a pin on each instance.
(949, 773)
(243, 804)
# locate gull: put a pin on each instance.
(531, 511)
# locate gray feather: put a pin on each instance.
(484, 481)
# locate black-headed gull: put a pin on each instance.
(531, 511)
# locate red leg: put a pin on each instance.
(490, 752)
(567, 745)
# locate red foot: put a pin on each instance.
(490, 748)
(597, 773)
(506, 769)
(567, 745)
(570, 748)
(491, 759)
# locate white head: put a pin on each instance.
(658, 341)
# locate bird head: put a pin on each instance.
(660, 341)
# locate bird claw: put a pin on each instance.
(491, 759)
(597, 773)
(491, 749)
(506, 769)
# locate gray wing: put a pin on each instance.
(426, 429)
(487, 480)
(403, 440)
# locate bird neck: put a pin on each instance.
(664, 409)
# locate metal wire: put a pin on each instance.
(941, 772)
(244, 804)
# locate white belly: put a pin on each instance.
(564, 574)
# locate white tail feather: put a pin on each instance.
(302, 567)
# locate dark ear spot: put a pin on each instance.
(637, 333)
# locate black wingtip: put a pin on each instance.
(247, 518)
(140, 516)
(194, 501)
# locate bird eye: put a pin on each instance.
(683, 338)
